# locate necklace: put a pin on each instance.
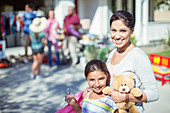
(124, 50)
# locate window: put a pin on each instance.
(161, 10)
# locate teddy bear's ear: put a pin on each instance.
(131, 75)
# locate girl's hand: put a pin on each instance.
(88, 89)
(72, 102)
(44, 41)
(70, 99)
(117, 96)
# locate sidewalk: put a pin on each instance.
(21, 94)
(20, 51)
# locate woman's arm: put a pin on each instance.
(144, 72)
(147, 83)
(46, 30)
(121, 97)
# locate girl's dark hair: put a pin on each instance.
(125, 16)
(97, 65)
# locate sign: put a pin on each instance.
(160, 60)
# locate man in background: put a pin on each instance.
(27, 19)
(71, 26)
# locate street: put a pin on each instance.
(21, 94)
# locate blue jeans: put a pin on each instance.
(50, 59)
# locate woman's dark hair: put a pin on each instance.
(125, 16)
(97, 65)
(50, 10)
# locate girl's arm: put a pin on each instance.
(44, 41)
(72, 102)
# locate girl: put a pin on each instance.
(98, 77)
(37, 43)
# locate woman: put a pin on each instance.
(37, 43)
(52, 36)
(127, 58)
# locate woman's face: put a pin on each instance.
(51, 14)
(97, 81)
(120, 34)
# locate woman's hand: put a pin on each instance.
(117, 96)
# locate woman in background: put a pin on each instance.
(52, 37)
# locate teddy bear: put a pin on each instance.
(125, 84)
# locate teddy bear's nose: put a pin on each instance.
(123, 89)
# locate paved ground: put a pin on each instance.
(19, 93)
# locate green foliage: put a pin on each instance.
(158, 2)
(164, 41)
(92, 52)
(167, 41)
(132, 39)
(168, 37)
(164, 53)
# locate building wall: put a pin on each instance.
(87, 8)
(97, 11)
(158, 31)
(61, 9)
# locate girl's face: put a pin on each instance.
(120, 34)
(97, 81)
(36, 35)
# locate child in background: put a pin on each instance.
(38, 42)
(98, 77)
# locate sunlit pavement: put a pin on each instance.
(21, 94)
(162, 105)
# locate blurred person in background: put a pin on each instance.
(27, 20)
(71, 27)
(38, 41)
(52, 37)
